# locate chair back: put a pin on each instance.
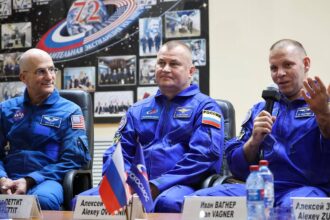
(84, 101)
(228, 113)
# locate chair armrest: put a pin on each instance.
(208, 182)
(75, 182)
(226, 179)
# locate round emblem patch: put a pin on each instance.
(122, 123)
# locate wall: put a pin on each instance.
(241, 32)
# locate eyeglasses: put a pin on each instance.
(44, 71)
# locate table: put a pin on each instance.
(68, 215)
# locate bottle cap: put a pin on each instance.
(263, 163)
(254, 167)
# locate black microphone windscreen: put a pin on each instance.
(271, 94)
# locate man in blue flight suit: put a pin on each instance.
(295, 138)
(42, 135)
(180, 130)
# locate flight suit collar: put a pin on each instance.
(49, 101)
(190, 91)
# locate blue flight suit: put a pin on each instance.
(181, 149)
(45, 142)
(297, 152)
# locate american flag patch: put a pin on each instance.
(211, 118)
(78, 122)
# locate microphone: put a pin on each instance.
(271, 95)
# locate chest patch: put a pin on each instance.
(19, 114)
(51, 121)
(183, 112)
(304, 112)
(150, 113)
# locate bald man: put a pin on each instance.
(181, 146)
(40, 136)
(295, 137)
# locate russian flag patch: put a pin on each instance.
(211, 118)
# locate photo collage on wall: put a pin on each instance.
(107, 48)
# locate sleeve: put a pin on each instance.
(128, 138)
(73, 154)
(203, 157)
(3, 143)
(237, 162)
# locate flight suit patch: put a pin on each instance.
(211, 118)
(183, 112)
(19, 114)
(122, 123)
(150, 113)
(304, 112)
(51, 121)
(78, 122)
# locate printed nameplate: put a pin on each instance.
(91, 207)
(214, 207)
(21, 206)
(311, 208)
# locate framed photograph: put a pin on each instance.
(9, 66)
(79, 78)
(198, 49)
(41, 1)
(10, 90)
(195, 78)
(182, 23)
(150, 35)
(117, 70)
(146, 3)
(5, 8)
(22, 4)
(147, 71)
(146, 91)
(16, 35)
(112, 104)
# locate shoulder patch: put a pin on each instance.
(247, 117)
(211, 118)
(122, 123)
(78, 122)
(117, 137)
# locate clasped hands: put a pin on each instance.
(16, 187)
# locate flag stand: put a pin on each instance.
(130, 204)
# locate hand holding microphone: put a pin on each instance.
(262, 124)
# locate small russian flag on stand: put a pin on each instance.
(138, 179)
(114, 190)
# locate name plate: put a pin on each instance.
(311, 208)
(20, 206)
(214, 207)
(91, 207)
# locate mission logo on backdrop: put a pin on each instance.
(88, 27)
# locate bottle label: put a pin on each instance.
(255, 194)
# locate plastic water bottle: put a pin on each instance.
(255, 195)
(269, 184)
